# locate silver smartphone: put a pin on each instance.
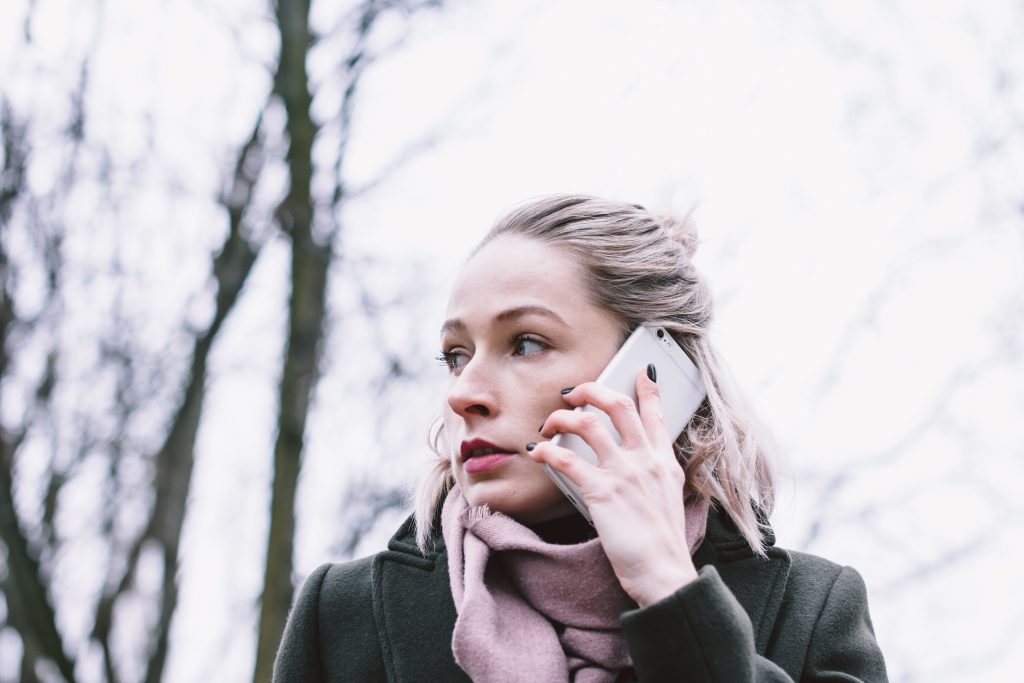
(679, 383)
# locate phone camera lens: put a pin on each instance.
(661, 333)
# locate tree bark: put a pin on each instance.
(28, 601)
(176, 458)
(311, 259)
(24, 586)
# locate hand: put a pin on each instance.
(635, 492)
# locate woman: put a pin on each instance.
(497, 578)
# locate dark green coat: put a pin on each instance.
(791, 616)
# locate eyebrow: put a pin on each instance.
(456, 325)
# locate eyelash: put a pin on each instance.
(449, 358)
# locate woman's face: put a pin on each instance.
(520, 328)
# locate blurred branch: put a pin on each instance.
(935, 415)
(175, 458)
(965, 550)
(312, 242)
(363, 505)
(28, 601)
(310, 262)
(24, 586)
(15, 163)
(354, 64)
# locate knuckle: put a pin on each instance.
(588, 421)
(679, 476)
(629, 479)
(674, 474)
(615, 487)
(652, 468)
(624, 404)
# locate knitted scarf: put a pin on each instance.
(532, 611)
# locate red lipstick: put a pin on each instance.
(479, 455)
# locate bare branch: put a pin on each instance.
(311, 260)
(24, 586)
(175, 458)
(363, 505)
(27, 597)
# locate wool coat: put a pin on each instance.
(788, 617)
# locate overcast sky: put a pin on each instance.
(855, 172)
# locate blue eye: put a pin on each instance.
(524, 345)
(453, 360)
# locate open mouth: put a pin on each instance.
(477, 452)
(478, 448)
(482, 456)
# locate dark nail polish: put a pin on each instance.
(567, 390)
(530, 446)
(652, 372)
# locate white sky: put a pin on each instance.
(855, 171)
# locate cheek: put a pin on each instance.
(450, 418)
(568, 373)
(452, 426)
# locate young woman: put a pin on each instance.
(496, 577)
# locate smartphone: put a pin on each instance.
(679, 383)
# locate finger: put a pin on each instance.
(621, 409)
(565, 462)
(651, 414)
(587, 425)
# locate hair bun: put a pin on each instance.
(682, 230)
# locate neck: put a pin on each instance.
(566, 530)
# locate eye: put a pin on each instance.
(453, 360)
(525, 345)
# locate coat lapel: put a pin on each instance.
(415, 614)
(757, 582)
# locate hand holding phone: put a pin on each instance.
(679, 383)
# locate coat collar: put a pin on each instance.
(758, 583)
(415, 613)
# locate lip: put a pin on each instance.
(485, 463)
(471, 445)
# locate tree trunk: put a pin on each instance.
(311, 260)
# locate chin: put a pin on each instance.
(526, 507)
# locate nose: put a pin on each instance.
(473, 391)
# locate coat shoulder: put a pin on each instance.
(810, 574)
(817, 586)
(824, 625)
(347, 589)
(349, 627)
(331, 632)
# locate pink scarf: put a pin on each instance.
(535, 611)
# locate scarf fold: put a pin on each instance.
(529, 610)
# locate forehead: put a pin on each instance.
(512, 270)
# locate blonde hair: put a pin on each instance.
(640, 268)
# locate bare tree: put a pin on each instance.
(31, 548)
(106, 428)
(312, 225)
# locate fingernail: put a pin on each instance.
(652, 372)
(541, 428)
(530, 446)
(567, 390)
